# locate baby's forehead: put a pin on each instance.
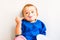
(31, 8)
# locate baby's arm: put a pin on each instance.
(18, 25)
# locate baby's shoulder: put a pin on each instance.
(39, 21)
(25, 22)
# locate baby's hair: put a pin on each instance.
(27, 5)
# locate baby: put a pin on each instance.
(28, 26)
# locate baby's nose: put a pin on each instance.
(30, 14)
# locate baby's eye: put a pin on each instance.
(32, 11)
(26, 12)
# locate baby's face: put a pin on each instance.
(30, 13)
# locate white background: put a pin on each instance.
(49, 13)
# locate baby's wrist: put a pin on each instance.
(19, 23)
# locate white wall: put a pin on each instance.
(49, 13)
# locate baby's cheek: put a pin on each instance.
(34, 17)
(26, 18)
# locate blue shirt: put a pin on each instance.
(31, 30)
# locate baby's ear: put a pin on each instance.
(37, 14)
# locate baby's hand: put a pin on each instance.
(20, 38)
(41, 37)
(18, 19)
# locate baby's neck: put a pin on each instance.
(33, 21)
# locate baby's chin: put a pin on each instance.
(30, 20)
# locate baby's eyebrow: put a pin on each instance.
(26, 12)
(29, 11)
